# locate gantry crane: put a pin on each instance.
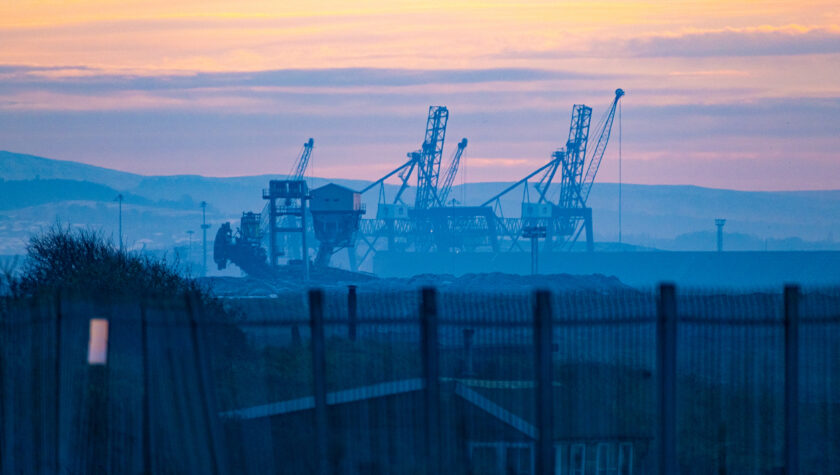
(394, 216)
(285, 211)
(425, 160)
(563, 219)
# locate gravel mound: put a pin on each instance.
(331, 279)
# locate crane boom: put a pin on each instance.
(603, 132)
(299, 169)
(451, 171)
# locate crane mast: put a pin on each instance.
(429, 157)
(450, 173)
(572, 160)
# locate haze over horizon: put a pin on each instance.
(739, 95)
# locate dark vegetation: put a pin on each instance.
(81, 261)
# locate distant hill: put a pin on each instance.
(653, 216)
(18, 166)
(15, 194)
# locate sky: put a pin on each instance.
(728, 94)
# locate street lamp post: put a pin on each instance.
(189, 247)
(204, 228)
(119, 198)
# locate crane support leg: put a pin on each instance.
(351, 257)
(272, 233)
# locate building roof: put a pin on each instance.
(333, 185)
(591, 411)
(361, 393)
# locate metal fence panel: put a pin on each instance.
(189, 388)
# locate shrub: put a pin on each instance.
(83, 261)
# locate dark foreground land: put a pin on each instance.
(335, 279)
(475, 375)
(192, 387)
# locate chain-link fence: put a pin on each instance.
(346, 381)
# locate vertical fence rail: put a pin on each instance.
(431, 372)
(352, 312)
(666, 365)
(544, 374)
(319, 378)
(791, 303)
(42, 342)
(191, 301)
(57, 383)
(146, 421)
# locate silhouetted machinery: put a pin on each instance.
(336, 212)
(286, 213)
(243, 247)
(432, 224)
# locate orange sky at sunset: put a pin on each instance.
(257, 35)
(736, 60)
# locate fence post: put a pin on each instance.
(319, 378)
(791, 379)
(431, 372)
(57, 383)
(98, 397)
(666, 366)
(543, 376)
(147, 432)
(192, 302)
(352, 308)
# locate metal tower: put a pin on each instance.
(719, 223)
(204, 228)
(572, 160)
(428, 167)
(285, 213)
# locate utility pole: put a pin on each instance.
(534, 233)
(719, 223)
(189, 247)
(119, 198)
(204, 228)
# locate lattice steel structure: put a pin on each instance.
(429, 157)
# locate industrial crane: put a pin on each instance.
(395, 219)
(577, 177)
(299, 168)
(449, 174)
(426, 161)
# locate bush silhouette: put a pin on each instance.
(83, 261)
